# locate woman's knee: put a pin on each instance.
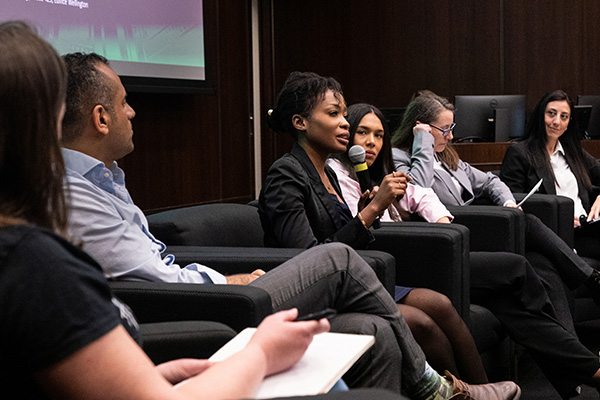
(421, 325)
(432, 303)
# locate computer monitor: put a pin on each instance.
(581, 115)
(593, 128)
(489, 118)
(393, 116)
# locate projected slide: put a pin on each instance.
(147, 38)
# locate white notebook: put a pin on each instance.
(327, 358)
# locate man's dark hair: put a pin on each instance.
(86, 88)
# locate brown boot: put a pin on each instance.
(492, 391)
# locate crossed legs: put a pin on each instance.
(333, 275)
(443, 335)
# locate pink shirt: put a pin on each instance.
(417, 199)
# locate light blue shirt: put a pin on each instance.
(114, 231)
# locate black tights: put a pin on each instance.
(443, 335)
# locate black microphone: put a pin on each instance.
(356, 154)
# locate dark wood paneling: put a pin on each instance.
(590, 49)
(196, 148)
(383, 51)
(544, 47)
(484, 156)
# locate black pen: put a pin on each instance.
(326, 313)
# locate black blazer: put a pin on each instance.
(521, 176)
(296, 210)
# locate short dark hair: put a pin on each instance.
(32, 93)
(86, 88)
(299, 95)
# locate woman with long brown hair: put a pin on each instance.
(423, 150)
(64, 336)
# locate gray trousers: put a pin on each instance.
(333, 275)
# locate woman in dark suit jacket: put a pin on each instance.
(551, 150)
(422, 148)
(301, 205)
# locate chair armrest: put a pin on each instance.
(165, 341)
(492, 228)
(237, 260)
(217, 224)
(554, 211)
(234, 305)
(233, 260)
(434, 256)
(384, 265)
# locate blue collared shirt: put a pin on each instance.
(114, 231)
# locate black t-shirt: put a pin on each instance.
(54, 301)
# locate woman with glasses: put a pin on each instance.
(435, 323)
(64, 335)
(301, 206)
(423, 150)
(551, 150)
(519, 307)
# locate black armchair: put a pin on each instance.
(435, 256)
(554, 211)
(229, 238)
(226, 234)
(165, 341)
(492, 228)
(236, 306)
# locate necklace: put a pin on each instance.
(326, 182)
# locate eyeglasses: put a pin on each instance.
(445, 132)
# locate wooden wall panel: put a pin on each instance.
(382, 51)
(197, 148)
(590, 49)
(544, 47)
(235, 101)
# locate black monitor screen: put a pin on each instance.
(581, 116)
(489, 118)
(593, 128)
(154, 42)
